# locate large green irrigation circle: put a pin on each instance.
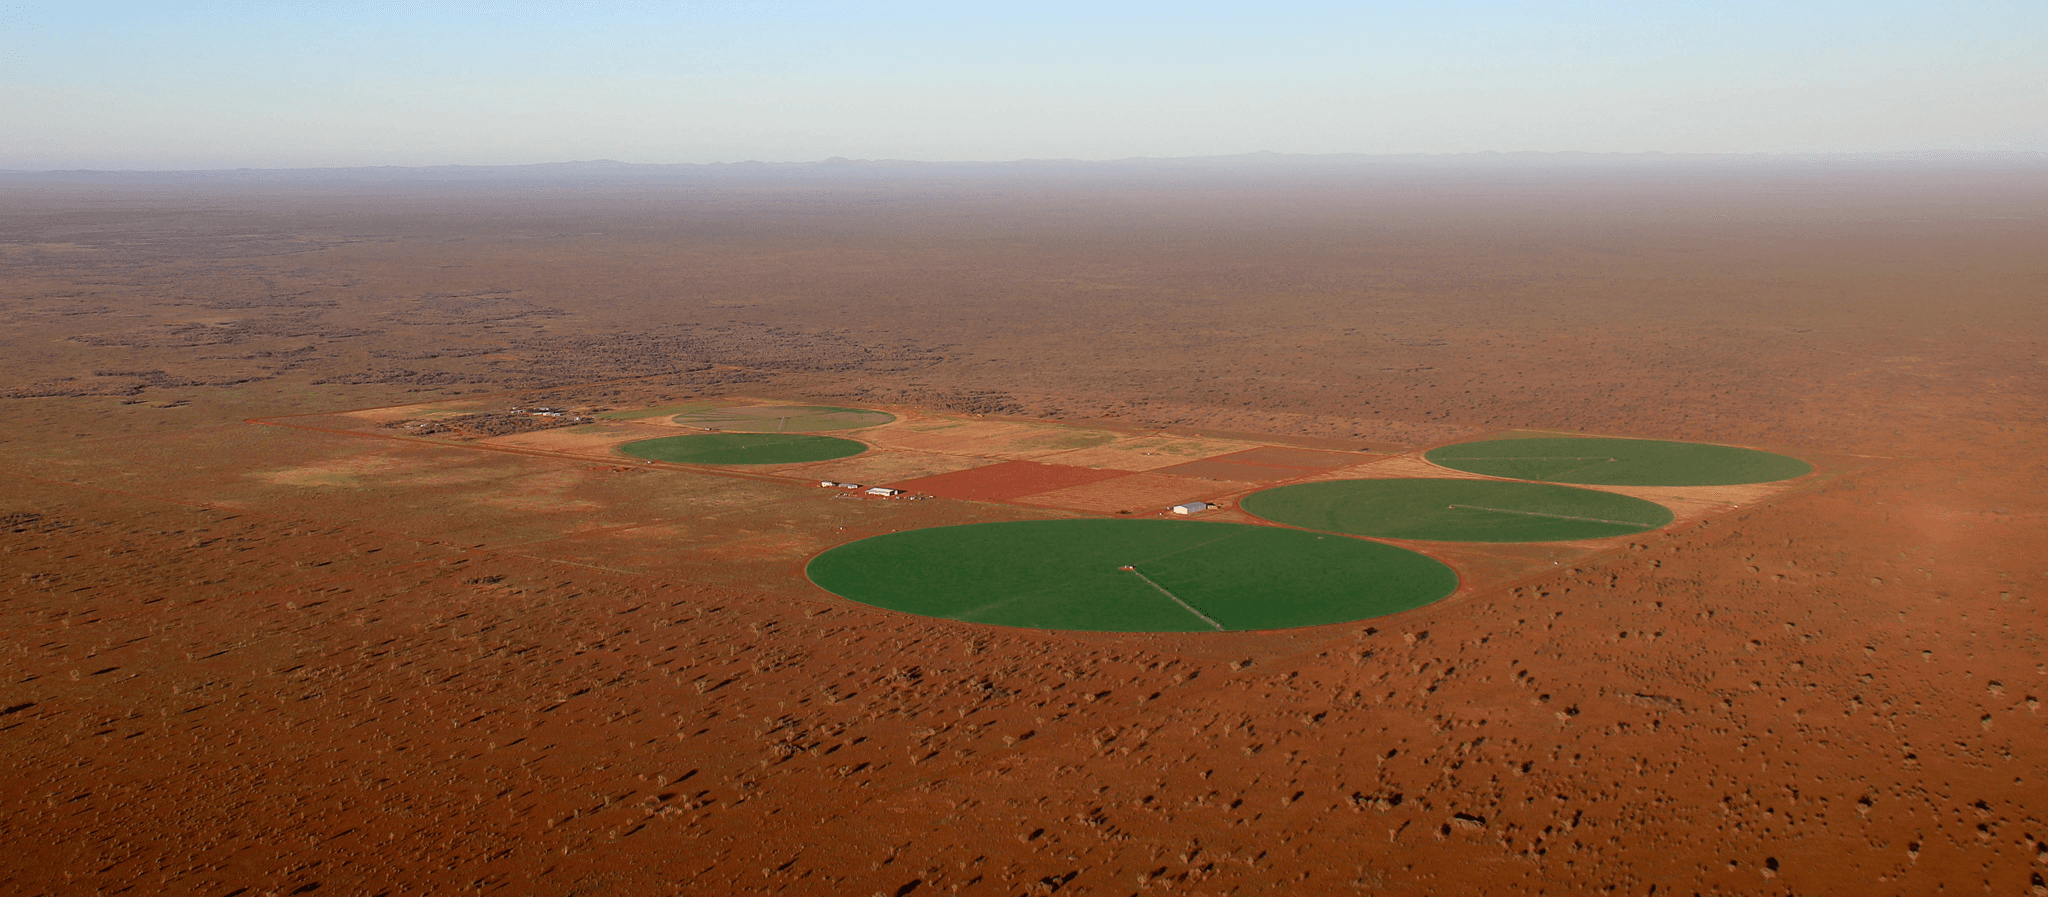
(782, 418)
(743, 448)
(1456, 510)
(1618, 462)
(1131, 575)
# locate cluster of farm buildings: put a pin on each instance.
(883, 491)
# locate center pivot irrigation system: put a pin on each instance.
(1312, 562)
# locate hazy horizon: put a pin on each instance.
(1255, 160)
(126, 86)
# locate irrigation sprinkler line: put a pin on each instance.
(1175, 598)
(1558, 516)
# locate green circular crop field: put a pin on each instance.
(1618, 462)
(782, 419)
(1456, 510)
(1131, 575)
(743, 448)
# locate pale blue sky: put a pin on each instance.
(218, 85)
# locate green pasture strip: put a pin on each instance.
(743, 448)
(1618, 462)
(1183, 576)
(1456, 510)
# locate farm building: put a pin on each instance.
(1193, 507)
(884, 490)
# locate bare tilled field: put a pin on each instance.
(294, 601)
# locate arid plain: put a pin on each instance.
(249, 653)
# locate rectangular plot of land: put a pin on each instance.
(1376, 467)
(1218, 469)
(1140, 493)
(988, 439)
(1005, 481)
(1056, 440)
(1296, 458)
(1145, 453)
(959, 438)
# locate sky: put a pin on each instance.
(178, 85)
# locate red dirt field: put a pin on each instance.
(252, 658)
(1007, 480)
(1139, 493)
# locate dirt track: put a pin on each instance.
(242, 656)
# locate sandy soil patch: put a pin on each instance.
(1216, 469)
(1143, 453)
(423, 411)
(878, 466)
(1393, 467)
(988, 439)
(600, 439)
(1294, 458)
(1141, 493)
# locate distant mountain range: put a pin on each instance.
(609, 171)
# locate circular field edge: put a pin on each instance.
(691, 418)
(1617, 461)
(1456, 509)
(1071, 575)
(742, 449)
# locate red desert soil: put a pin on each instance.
(1009, 479)
(1224, 469)
(1297, 459)
(242, 658)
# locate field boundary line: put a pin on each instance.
(1176, 599)
(1558, 516)
(1537, 458)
